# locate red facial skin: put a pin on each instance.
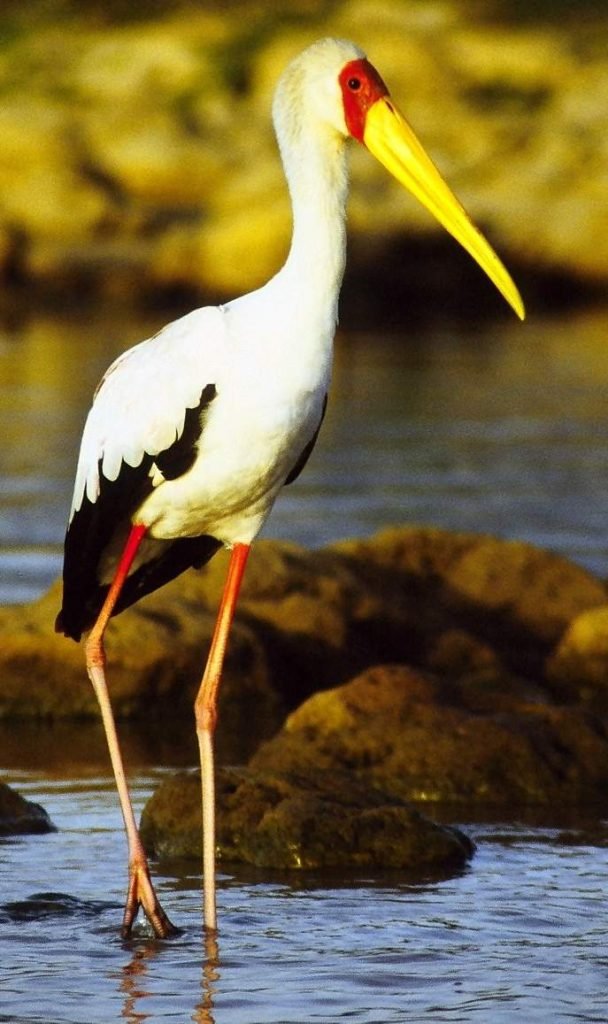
(361, 87)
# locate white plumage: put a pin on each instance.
(141, 401)
(268, 353)
(193, 433)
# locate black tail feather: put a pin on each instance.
(80, 611)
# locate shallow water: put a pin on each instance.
(503, 430)
(519, 936)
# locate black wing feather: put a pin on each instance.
(179, 555)
(90, 532)
(97, 523)
(178, 459)
(307, 451)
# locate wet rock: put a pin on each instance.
(470, 607)
(465, 714)
(416, 737)
(320, 616)
(300, 821)
(19, 816)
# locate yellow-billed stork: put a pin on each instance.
(193, 433)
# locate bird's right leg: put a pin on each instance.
(205, 708)
(141, 891)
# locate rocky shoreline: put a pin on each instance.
(367, 681)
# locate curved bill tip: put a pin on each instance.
(390, 139)
(518, 303)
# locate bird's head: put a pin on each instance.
(333, 84)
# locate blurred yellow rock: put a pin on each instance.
(578, 668)
(149, 145)
(524, 58)
(142, 61)
(42, 189)
(152, 160)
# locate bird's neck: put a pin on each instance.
(316, 172)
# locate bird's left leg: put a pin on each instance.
(205, 708)
(141, 891)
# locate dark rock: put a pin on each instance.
(303, 822)
(21, 817)
(464, 715)
(41, 906)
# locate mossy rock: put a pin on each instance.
(306, 822)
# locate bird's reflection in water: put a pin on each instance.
(133, 985)
(134, 988)
(203, 1013)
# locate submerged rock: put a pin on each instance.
(45, 906)
(304, 821)
(19, 816)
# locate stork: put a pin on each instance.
(193, 432)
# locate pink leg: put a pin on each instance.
(141, 891)
(205, 708)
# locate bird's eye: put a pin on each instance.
(354, 84)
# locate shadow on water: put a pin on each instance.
(77, 749)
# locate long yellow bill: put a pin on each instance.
(391, 140)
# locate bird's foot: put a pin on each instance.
(142, 894)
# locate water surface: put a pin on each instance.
(519, 936)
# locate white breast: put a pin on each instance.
(270, 386)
